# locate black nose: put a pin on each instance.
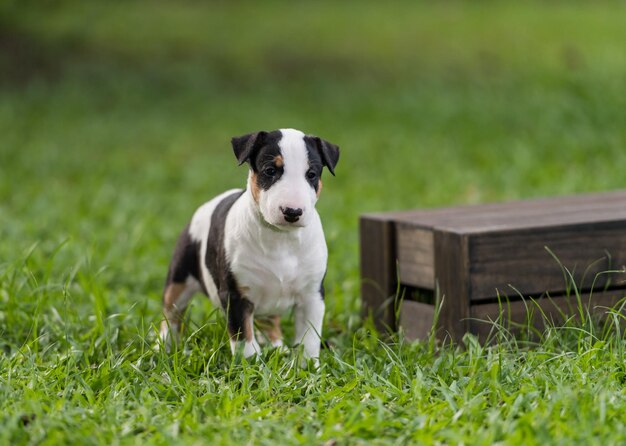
(291, 215)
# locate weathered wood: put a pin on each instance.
(416, 319)
(514, 315)
(416, 256)
(517, 215)
(520, 259)
(378, 271)
(452, 269)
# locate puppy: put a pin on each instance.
(259, 251)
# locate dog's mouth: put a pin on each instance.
(288, 223)
(283, 225)
(283, 218)
(290, 219)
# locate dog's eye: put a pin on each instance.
(270, 171)
(311, 175)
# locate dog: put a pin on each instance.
(259, 251)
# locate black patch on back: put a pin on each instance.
(185, 260)
(236, 306)
(215, 257)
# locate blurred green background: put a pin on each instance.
(115, 124)
(115, 120)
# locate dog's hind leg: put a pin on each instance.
(176, 298)
(181, 284)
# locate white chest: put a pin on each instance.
(276, 270)
(272, 286)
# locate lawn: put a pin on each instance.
(115, 122)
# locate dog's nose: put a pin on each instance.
(291, 215)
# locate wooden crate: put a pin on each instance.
(481, 256)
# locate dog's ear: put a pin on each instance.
(245, 146)
(329, 153)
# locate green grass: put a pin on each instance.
(115, 120)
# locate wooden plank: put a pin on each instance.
(416, 319)
(524, 214)
(416, 256)
(511, 314)
(452, 269)
(378, 271)
(519, 259)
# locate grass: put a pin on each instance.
(115, 120)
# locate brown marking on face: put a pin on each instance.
(279, 161)
(244, 290)
(319, 188)
(254, 188)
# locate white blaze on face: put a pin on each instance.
(292, 190)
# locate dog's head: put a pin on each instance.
(285, 173)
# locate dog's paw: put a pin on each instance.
(247, 349)
(309, 363)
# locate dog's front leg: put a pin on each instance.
(309, 316)
(240, 321)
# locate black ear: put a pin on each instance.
(246, 145)
(329, 153)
